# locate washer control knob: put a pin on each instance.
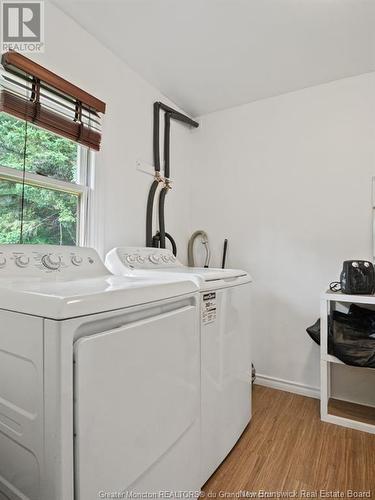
(154, 258)
(165, 258)
(22, 260)
(130, 259)
(3, 261)
(51, 261)
(76, 260)
(140, 259)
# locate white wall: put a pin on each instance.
(288, 181)
(127, 134)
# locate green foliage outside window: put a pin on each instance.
(49, 216)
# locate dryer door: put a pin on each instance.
(137, 407)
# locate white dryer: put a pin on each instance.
(99, 379)
(225, 343)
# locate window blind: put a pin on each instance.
(33, 93)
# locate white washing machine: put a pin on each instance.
(99, 379)
(225, 343)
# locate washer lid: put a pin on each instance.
(206, 274)
(69, 299)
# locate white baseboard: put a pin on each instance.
(288, 386)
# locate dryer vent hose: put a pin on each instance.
(204, 239)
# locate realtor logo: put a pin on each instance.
(22, 26)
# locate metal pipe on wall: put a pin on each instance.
(160, 238)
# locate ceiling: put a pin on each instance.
(207, 55)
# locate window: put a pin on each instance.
(46, 125)
(44, 185)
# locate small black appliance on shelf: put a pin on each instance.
(357, 277)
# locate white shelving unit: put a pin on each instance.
(329, 302)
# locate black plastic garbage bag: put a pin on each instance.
(366, 316)
(314, 331)
(351, 336)
(352, 340)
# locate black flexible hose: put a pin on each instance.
(167, 134)
(176, 115)
(162, 196)
(173, 243)
(156, 137)
(156, 241)
(164, 191)
(154, 185)
(149, 212)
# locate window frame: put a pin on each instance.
(82, 188)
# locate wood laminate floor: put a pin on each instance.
(286, 449)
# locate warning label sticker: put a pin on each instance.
(209, 308)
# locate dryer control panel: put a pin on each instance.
(49, 260)
(142, 258)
